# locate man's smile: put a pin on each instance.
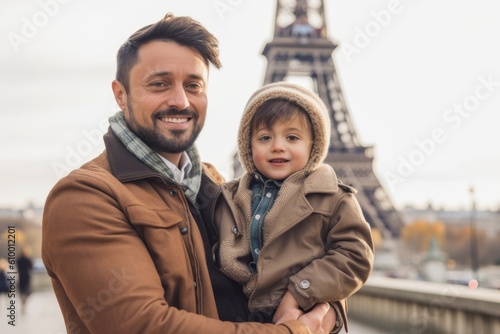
(175, 119)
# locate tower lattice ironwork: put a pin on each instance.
(301, 50)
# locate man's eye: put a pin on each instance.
(194, 86)
(157, 84)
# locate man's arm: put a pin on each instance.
(104, 276)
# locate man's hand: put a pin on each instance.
(288, 309)
(315, 318)
(329, 320)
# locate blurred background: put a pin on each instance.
(421, 83)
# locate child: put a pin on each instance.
(288, 229)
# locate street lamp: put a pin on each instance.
(474, 260)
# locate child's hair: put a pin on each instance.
(275, 110)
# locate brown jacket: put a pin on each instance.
(125, 254)
(317, 244)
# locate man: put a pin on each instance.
(123, 238)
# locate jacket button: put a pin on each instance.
(195, 285)
(184, 230)
(304, 284)
(234, 229)
(173, 193)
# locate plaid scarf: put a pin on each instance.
(192, 181)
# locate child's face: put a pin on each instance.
(283, 150)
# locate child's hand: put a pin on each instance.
(288, 309)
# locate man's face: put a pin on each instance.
(166, 104)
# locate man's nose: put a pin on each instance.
(177, 98)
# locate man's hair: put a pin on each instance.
(183, 30)
(274, 110)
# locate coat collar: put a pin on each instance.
(322, 181)
(126, 167)
(123, 164)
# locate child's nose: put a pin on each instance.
(278, 145)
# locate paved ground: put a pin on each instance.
(42, 316)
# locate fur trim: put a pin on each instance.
(305, 98)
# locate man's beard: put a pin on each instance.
(156, 140)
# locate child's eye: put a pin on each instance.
(292, 138)
(265, 138)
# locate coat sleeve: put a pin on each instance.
(103, 274)
(347, 263)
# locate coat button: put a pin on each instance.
(184, 230)
(234, 229)
(173, 192)
(304, 284)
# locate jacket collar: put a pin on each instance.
(123, 164)
(323, 180)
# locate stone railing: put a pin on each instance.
(403, 306)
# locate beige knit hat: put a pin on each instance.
(299, 95)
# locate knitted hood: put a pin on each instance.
(299, 95)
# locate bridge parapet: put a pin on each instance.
(405, 306)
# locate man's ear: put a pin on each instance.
(120, 94)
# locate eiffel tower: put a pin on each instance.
(301, 50)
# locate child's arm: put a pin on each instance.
(347, 263)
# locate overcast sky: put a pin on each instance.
(421, 79)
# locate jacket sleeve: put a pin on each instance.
(103, 274)
(348, 260)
